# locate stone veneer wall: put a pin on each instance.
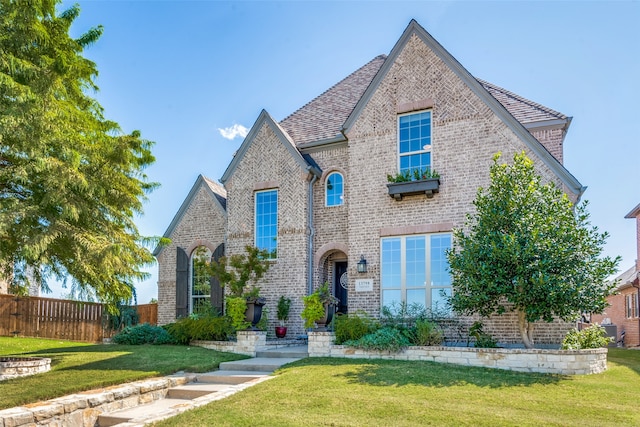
(203, 224)
(83, 409)
(563, 362)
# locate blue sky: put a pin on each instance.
(179, 71)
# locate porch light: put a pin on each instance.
(362, 265)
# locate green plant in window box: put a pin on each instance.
(416, 175)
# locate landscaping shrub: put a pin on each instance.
(207, 328)
(427, 332)
(143, 334)
(594, 336)
(483, 339)
(352, 327)
(384, 339)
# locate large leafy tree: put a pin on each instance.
(71, 181)
(530, 250)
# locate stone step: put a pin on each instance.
(258, 364)
(230, 376)
(285, 352)
(157, 407)
(195, 390)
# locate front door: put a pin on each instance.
(340, 286)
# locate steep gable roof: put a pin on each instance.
(265, 118)
(321, 119)
(215, 190)
(476, 87)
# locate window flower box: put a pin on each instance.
(428, 186)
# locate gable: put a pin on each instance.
(264, 119)
(212, 189)
(425, 76)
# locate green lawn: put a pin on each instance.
(341, 392)
(79, 366)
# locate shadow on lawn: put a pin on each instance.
(430, 374)
(625, 357)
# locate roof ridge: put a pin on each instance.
(523, 99)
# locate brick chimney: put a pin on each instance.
(635, 213)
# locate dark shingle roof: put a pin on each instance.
(524, 110)
(323, 118)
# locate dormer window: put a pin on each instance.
(414, 142)
(334, 189)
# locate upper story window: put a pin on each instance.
(414, 142)
(200, 286)
(266, 218)
(334, 189)
(414, 269)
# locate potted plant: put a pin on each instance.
(319, 307)
(425, 181)
(239, 273)
(284, 305)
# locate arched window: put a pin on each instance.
(200, 286)
(334, 189)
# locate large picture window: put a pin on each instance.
(266, 218)
(334, 189)
(415, 270)
(414, 142)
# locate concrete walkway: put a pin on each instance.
(206, 387)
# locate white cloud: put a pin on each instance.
(233, 132)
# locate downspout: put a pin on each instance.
(312, 230)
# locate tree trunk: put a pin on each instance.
(526, 329)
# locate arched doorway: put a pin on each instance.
(331, 260)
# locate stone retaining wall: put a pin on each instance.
(565, 362)
(14, 367)
(83, 409)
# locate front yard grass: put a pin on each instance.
(79, 366)
(343, 392)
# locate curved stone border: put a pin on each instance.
(564, 362)
(14, 367)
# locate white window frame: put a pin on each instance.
(255, 220)
(631, 306)
(403, 267)
(326, 190)
(424, 150)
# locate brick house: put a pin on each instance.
(312, 188)
(623, 305)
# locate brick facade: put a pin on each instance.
(466, 133)
(203, 223)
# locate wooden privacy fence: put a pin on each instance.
(60, 319)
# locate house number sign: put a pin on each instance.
(364, 285)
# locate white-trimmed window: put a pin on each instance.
(266, 222)
(414, 142)
(414, 269)
(631, 305)
(200, 281)
(334, 189)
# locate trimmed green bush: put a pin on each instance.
(594, 336)
(143, 334)
(352, 327)
(427, 333)
(384, 339)
(206, 328)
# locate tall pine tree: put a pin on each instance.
(70, 180)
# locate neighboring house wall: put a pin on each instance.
(465, 136)
(203, 223)
(268, 164)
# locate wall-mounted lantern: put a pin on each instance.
(362, 265)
